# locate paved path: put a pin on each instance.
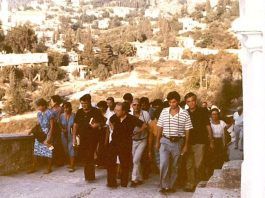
(60, 183)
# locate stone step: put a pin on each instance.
(227, 177)
(231, 173)
(216, 193)
(217, 180)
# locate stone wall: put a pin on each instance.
(225, 182)
(16, 153)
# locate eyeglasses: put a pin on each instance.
(136, 104)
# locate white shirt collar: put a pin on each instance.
(180, 109)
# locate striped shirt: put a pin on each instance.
(174, 125)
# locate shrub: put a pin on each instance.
(2, 93)
(76, 73)
(16, 102)
(46, 92)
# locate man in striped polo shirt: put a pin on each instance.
(174, 125)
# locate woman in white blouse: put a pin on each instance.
(220, 148)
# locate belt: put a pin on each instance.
(173, 138)
(139, 139)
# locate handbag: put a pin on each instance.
(38, 133)
(227, 137)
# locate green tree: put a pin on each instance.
(69, 40)
(16, 102)
(21, 39)
(57, 59)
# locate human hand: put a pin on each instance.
(94, 125)
(184, 150)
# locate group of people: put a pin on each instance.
(133, 138)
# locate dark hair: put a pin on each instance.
(41, 102)
(157, 102)
(165, 104)
(189, 95)
(102, 104)
(67, 105)
(86, 98)
(182, 104)
(144, 100)
(111, 99)
(173, 95)
(128, 97)
(218, 112)
(57, 99)
(125, 106)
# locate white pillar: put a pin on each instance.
(251, 28)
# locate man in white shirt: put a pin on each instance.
(139, 143)
(174, 125)
(110, 112)
(238, 127)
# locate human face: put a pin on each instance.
(102, 110)
(41, 108)
(136, 106)
(204, 105)
(85, 105)
(119, 111)
(145, 106)
(67, 109)
(215, 116)
(52, 103)
(173, 103)
(110, 104)
(191, 102)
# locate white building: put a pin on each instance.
(152, 13)
(95, 13)
(189, 24)
(186, 42)
(75, 3)
(213, 3)
(147, 51)
(204, 51)
(60, 2)
(20, 59)
(73, 58)
(4, 16)
(30, 16)
(121, 11)
(175, 53)
(103, 24)
(250, 29)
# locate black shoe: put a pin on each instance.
(112, 185)
(140, 182)
(163, 190)
(133, 184)
(124, 185)
(171, 190)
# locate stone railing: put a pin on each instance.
(16, 152)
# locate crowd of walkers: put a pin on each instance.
(182, 141)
